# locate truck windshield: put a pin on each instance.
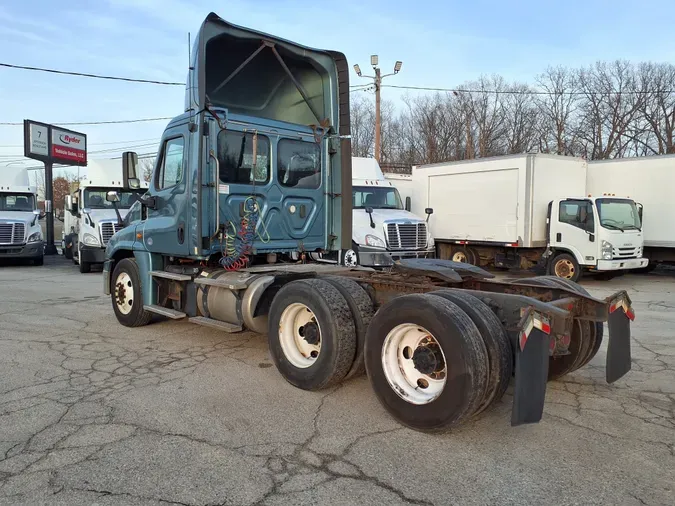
(618, 214)
(17, 202)
(94, 198)
(377, 198)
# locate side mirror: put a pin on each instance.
(428, 211)
(130, 179)
(71, 205)
(369, 210)
(639, 208)
(112, 196)
(86, 210)
(408, 205)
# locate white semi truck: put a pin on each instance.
(525, 211)
(20, 232)
(382, 229)
(89, 219)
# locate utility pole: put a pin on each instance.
(377, 81)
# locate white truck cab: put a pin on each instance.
(20, 231)
(601, 233)
(382, 229)
(89, 219)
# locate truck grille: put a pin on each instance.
(407, 235)
(12, 233)
(108, 230)
(621, 253)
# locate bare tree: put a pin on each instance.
(612, 99)
(487, 110)
(521, 120)
(147, 166)
(362, 111)
(658, 108)
(557, 108)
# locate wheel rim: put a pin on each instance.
(300, 335)
(350, 259)
(564, 269)
(460, 256)
(124, 293)
(414, 364)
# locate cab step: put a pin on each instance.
(165, 311)
(170, 275)
(216, 324)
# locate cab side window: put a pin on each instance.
(578, 213)
(170, 172)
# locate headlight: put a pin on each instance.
(376, 242)
(90, 240)
(606, 250)
(35, 237)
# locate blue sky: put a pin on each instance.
(441, 44)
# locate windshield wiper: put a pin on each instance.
(613, 227)
(632, 227)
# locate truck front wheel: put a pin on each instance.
(350, 257)
(127, 294)
(312, 336)
(565, 266)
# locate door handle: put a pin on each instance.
(303, 211)
(558, 237)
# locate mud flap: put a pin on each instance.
(531, 375)
(618, 347)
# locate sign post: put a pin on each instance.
(52, 144)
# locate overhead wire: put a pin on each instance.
(94, 76)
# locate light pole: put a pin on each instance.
(377, 80)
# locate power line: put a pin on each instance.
(113, 122)
(95, 76)
(92, 143)
(527, 92)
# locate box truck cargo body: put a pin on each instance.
(496, 211)
(650, 181)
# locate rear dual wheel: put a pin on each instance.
(437, 359)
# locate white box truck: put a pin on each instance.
(525, 211)
(650, 181)
(89, 219)
(383, 231)
(20, 232)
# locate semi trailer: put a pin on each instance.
(253, 178)
(527, 211)
(20, 232)
(89, 220)
(650, 181)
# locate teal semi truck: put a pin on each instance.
(251, 193)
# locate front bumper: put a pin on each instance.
(92, 254)
(617, 265)
(373, 257)
(30, 250)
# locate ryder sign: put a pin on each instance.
(68, 147)
(52, 144)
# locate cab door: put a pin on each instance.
(165, 229)
(286, 179)
(572, 227)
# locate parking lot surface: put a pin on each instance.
(92, 412)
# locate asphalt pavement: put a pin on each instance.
(92, 412)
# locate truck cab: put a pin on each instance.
(383, 230)
(601, 234)
(20, 231)
(90, 220)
